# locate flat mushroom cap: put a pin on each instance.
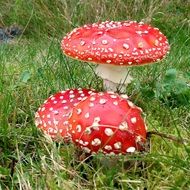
(118, 43)
(52, 116)
(108, 123)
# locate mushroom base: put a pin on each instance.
(114, 77)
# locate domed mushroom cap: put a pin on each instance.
(109, 123)
(119, 43)
(53, 114)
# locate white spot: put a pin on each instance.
(96, 142)
(141, 22)
(140, 45)
(108, 147)
(110, 49)
(80, 91)
(156, 42)
(131, 149)
(48, 116)
(56, 112)
(108, 61)
(82, 42)
(43, 109)
(100, 32)
(65, 107)
(103, 101)
(117, 145)
(124, 96)
(92, 98)
(51, 109)
(95, 124)
(133, 120)
(61, 97)
(64, 101)
(56, 122)
(123, 126)
(104, 42)
(71, 96)
(109, 132)
(87, 115)
(85, 143)
(139, 32)
(53, 98)
(91, 104)
(160, 39)
(113, 96)
(55, 102)
(115, 103)
(79, 98)
(126, 46)
(115, 55)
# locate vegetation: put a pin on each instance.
(33, 67)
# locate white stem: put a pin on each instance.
(113, 76)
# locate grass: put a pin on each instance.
(33, 67)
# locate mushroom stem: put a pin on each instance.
(114, 76)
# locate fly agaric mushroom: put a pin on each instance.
(111, 44)
(52, 116)
(109, 123)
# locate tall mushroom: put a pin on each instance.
(52, 115)
(114, 46)
(108, 123)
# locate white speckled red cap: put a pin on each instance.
(118, 43)
(53, 114)
(108, 123)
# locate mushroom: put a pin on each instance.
(108, 123)
(114, 46)
(53, 114)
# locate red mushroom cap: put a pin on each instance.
(109, 123)
(53, 114)
(118, 43)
